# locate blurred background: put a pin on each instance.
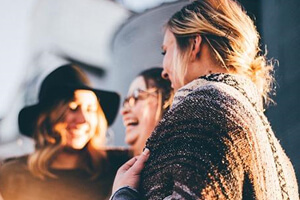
(113, 41)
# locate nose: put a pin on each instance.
(80, 117)
(164, 74)
(125, 109)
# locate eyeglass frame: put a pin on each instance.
(136, 95)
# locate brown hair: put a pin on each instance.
(153, 79)
(231, 35)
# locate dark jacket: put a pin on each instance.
(126, 193)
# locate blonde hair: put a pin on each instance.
(164, 104)
(231, 35)
(49, 142)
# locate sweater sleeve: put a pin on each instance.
(193, 151)
(126, 193)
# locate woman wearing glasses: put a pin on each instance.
(148, 100)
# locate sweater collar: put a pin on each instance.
(241, 83)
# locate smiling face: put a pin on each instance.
(139, 117)
(169, 50)
(80, 121)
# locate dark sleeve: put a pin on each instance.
(126, 193)
(193, 152)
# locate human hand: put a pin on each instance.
(129, 173)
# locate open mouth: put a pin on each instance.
(131, 122)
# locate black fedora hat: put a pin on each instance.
(60, 84)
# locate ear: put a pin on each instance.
(196, 47)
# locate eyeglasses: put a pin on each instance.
(139, 94)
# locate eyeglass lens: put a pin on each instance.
(136, 95)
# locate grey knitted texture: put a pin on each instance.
(216, 143)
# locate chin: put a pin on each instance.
(72, 149)
(131, 136)
(129, 141)
(76, 146)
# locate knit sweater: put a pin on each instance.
(216, 143)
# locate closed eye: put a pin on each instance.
(73, 106)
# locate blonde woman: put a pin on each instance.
(69, 125)
(215, 142)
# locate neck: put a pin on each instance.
(68, 160)
(203, 65)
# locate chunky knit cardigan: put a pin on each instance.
(216, 143)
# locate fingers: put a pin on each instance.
(138, 166)
(128, 164)
(129, 173)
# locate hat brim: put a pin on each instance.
(27, 116)
(109, 101)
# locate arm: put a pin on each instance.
(128, 178)
(125, 193)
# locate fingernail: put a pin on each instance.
(146, 151)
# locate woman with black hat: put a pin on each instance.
(69, 125)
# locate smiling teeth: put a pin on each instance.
(128, 122)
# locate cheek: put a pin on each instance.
(68, 118)
(148, 117)
(167, 63)
(94, 121)
(139, 111)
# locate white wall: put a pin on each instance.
(35, 35)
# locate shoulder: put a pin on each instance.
(203, 90)
(209, 110)
(15, 162)
(13, 166)
(13, 170)
(223, 88)
(206, 98)
(212, 91)
(210, 97)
